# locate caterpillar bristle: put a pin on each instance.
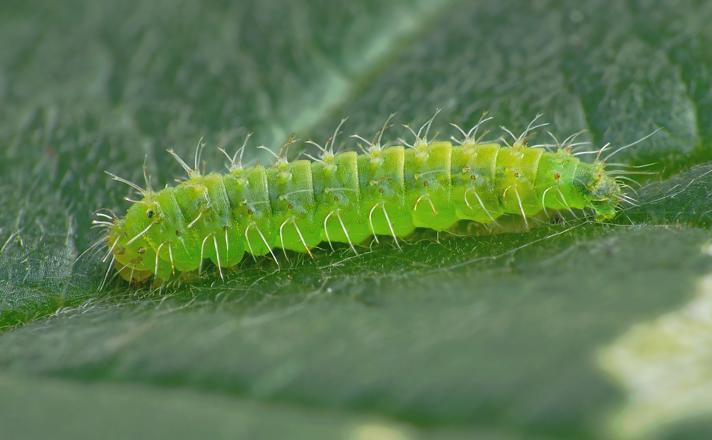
(235, 161)
(470, 137)
(132, 185)
(188, 170)
(632, 144)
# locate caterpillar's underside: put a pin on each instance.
(347, 198)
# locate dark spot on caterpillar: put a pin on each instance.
(177, 233)
(557, 176)
(473, 177)
(141, 250)
(150, 213)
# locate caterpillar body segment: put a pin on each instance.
(338, 196)
(347, 198)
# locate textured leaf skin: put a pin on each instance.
(475, 336)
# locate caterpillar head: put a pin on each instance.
(604, 193)
(128, 237)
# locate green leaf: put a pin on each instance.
(548, 332)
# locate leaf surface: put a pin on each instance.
(496, 335)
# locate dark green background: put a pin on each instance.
(493, 335)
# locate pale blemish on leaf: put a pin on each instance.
(375, 431)
(665, 367)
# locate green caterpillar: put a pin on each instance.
(346, 198)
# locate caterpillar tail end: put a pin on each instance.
(605, 211)
(604, 194)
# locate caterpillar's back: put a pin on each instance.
(347, 198)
